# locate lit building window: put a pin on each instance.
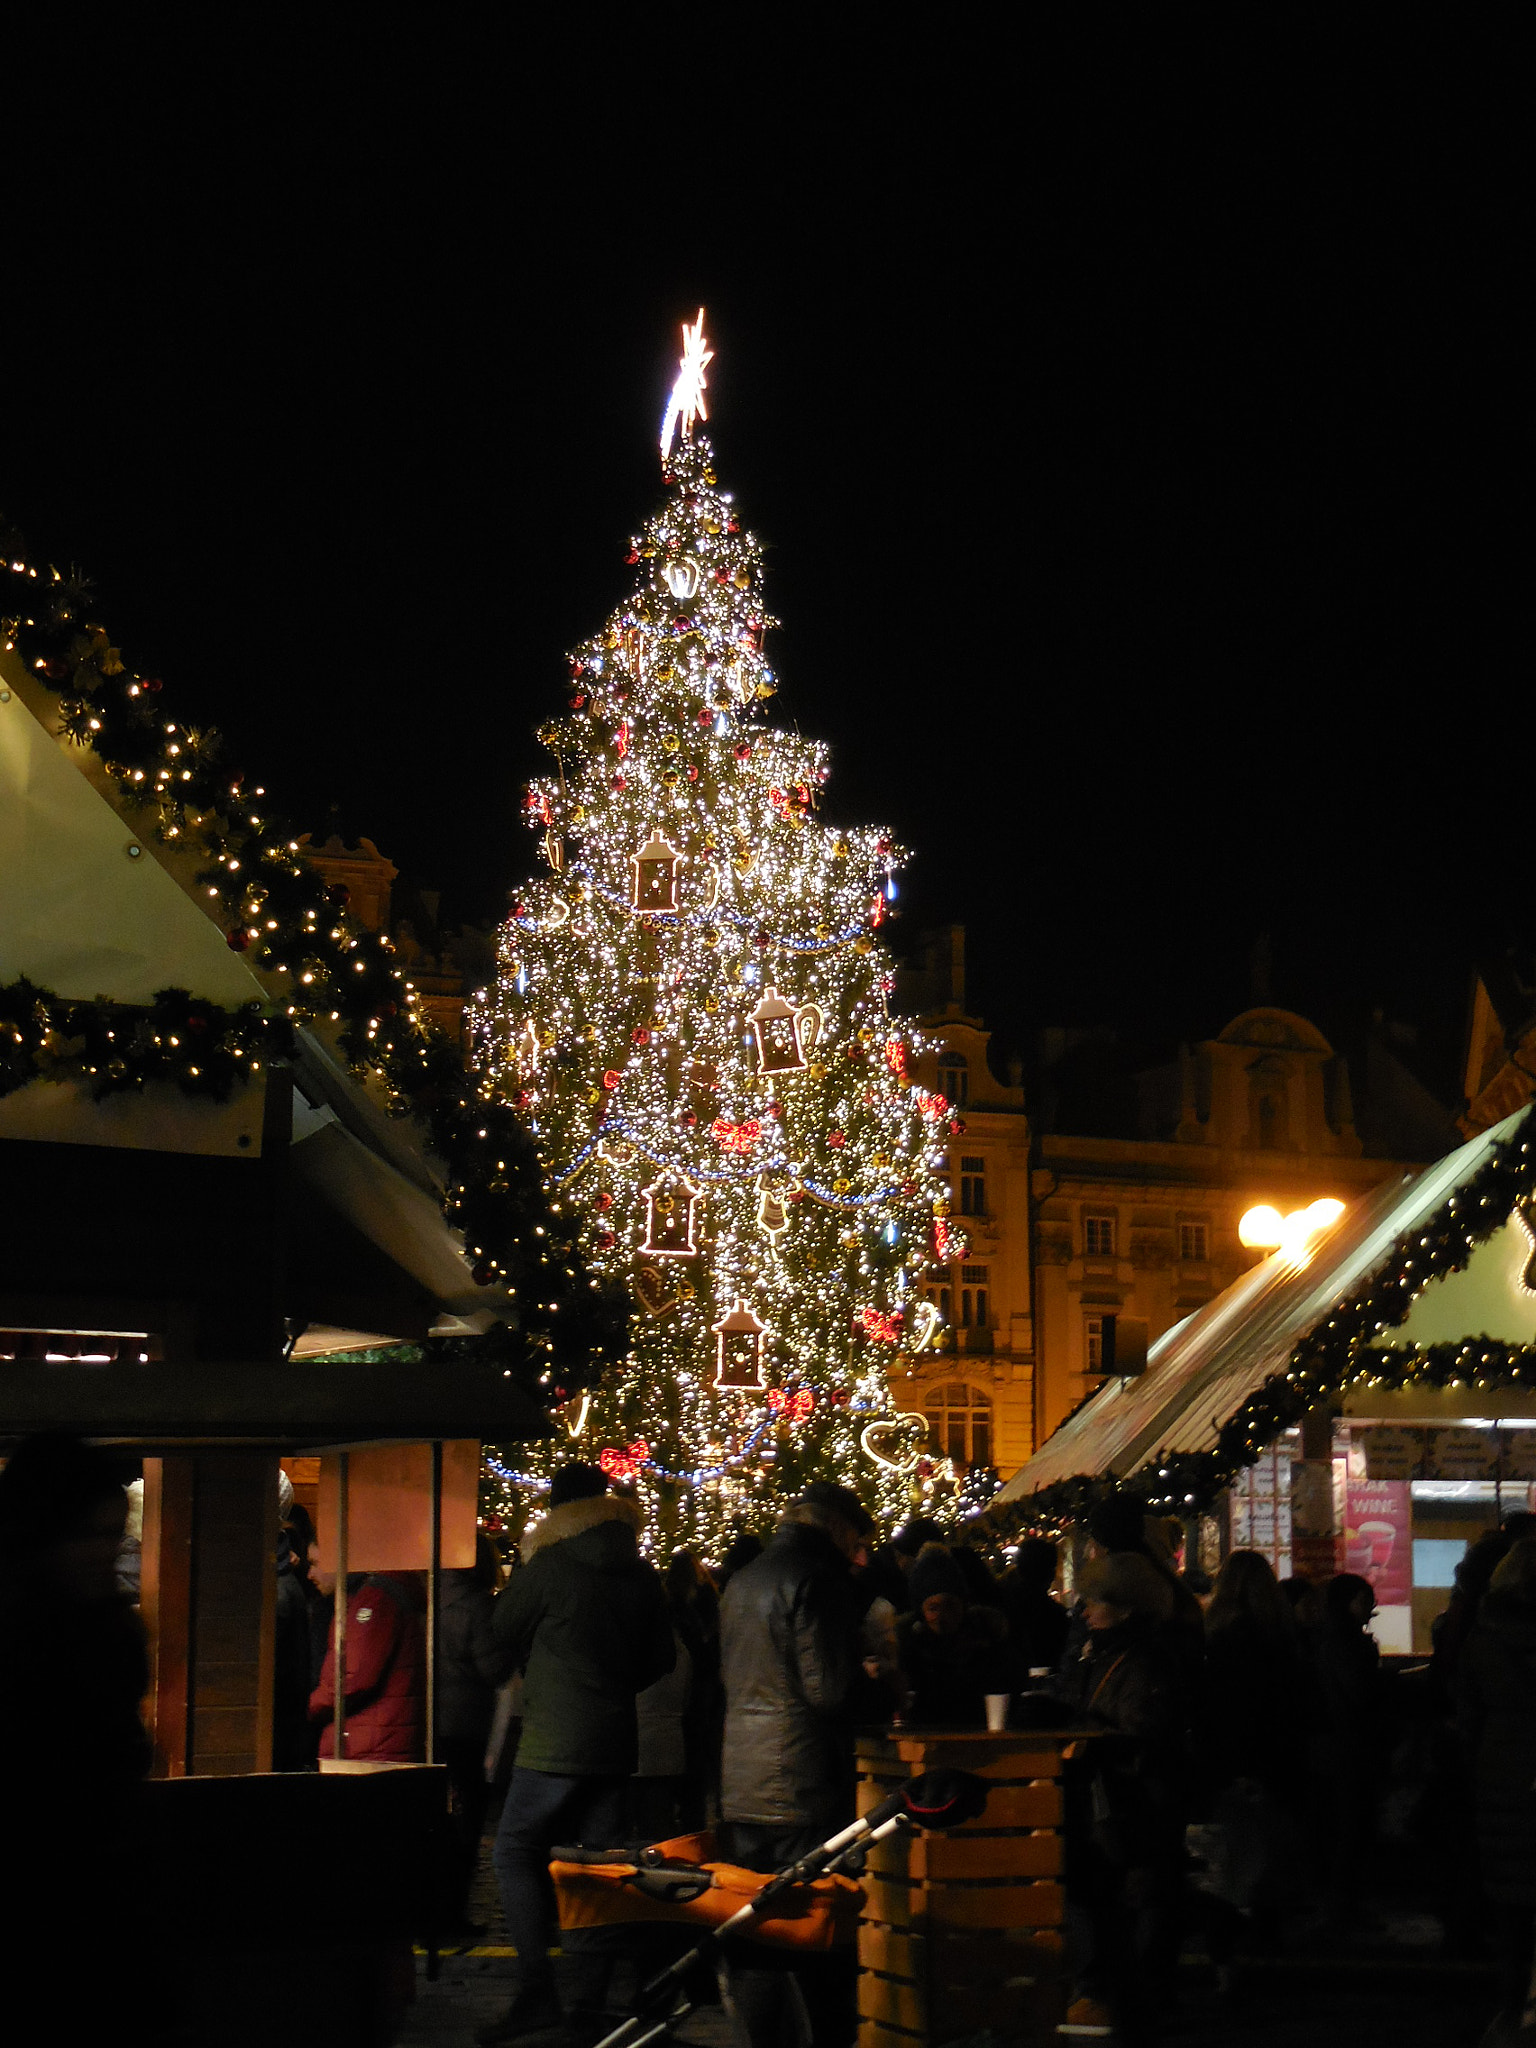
(1099, 1236)
(1093, 1342)
(973, 1186)
(973, 1298)
(954, 1077)
(960, 1422)
(1194, 1241)
(943, 1300)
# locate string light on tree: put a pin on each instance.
(709, 1028)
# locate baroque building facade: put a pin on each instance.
(1108, 1210)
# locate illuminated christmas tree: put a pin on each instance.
(691, 1013)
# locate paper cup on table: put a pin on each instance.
(997, 1712)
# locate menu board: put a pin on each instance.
(1393, 1453)
(1260, 1510)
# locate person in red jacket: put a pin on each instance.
(386, 1675)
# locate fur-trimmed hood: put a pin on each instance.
(576, 1517)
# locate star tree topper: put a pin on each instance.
(688, 392)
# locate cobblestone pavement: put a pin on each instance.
(1380, 1986)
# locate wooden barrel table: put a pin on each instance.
(964, 1930)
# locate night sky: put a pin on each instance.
(1144, 474)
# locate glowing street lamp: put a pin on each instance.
(1264, 1229)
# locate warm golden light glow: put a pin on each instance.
(1261, 1228)
(687, 398)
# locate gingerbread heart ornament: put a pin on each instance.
(652, 1291)
(897, 1441)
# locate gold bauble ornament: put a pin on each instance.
(823, 931)
(741, 579)
(711, 1003)
(841, 1187)
(670, 743)
(866, 1036)
(863, 943)
(817, 1071)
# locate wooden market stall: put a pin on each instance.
(1365, 1401)
(209, 1284)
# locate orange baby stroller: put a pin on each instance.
(811, 1904)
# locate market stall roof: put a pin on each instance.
(1201, 1371)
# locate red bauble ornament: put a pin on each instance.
(837, 1140)
(693, 771)
(604, 1200)
(689, 1118)
(722, 575)
(238, 941)
(482, 1272)
(606, 1240)
(743, 751)
(633, 556)
(776, 1109)
(612, 1078)
(760, 940)
(577, 702)
(340, 894)
(732, 526)
(706, 716)
(682, 625)
(957, 1127)
(153, 684)
(618, 785)
(640, 1036)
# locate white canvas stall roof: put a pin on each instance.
(86, 909)
(1201, 1371)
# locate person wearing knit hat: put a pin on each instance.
(952, 1654)
(587, 1623)
(1122, 1585)
(1130, 1682)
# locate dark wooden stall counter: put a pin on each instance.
(964, 1930)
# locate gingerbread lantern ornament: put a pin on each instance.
(739, 1350)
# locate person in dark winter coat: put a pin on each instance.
(1037, 1623)
(1124, 1875)
(1352, 1742)
(586, 1622)
(1254, 1722)
(1496, 1716)
(791, 1661)
(72, 1673)
(952, 1653)
(386, 1675)
(295, 1738)
(1117, 1527)
(1452, 1629)
(470, 1666)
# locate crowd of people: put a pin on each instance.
(1240, 1730)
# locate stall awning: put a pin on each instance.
(1201, 1372)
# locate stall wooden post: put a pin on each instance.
(964, 1930)
(434, 1597)
(339, 1692)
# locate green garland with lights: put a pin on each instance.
(1338, 1354)
(174, 781)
